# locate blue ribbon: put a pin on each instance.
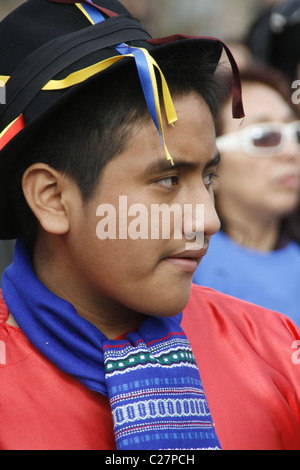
(141, 64)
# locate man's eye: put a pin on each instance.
(210, 178)
(168, 182)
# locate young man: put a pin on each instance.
(103, 338)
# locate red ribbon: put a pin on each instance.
(237, 101)
(12, 131)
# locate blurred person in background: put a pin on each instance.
(256, 255)
(274, 38)
(6, 6)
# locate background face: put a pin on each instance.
(263, 185)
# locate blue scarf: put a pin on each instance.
(151, 378)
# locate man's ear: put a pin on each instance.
(45, 190)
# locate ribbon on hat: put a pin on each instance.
(11, 131)
(52, 58)
(237, 101)
(145, 65)
(66, 50)
(14, 127)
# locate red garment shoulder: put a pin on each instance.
(245, 357)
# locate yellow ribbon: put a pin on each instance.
(81, 75)
(169, 107)
(84, 12)
(4, 79)
(8, 127)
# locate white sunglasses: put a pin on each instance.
(263, 139)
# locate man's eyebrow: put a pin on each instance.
(215, 161)
(162, 165)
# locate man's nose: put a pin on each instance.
(201, 215)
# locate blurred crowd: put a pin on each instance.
(257, 194)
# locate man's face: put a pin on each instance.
(147, 275)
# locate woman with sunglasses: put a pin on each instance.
(256, 254)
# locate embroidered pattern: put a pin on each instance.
(156, 395)
(179, 353)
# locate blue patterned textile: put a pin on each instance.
(155, 390)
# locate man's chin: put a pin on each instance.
(175, 304)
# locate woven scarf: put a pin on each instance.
(151, 377)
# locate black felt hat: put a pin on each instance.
(50, 48)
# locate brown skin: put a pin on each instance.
(115, 283)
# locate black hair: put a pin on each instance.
(95, 125)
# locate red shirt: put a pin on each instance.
(244, 354)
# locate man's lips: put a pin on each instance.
(187, 261)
